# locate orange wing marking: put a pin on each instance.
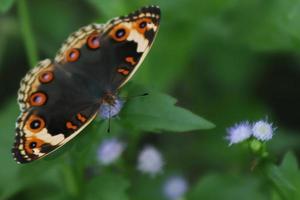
(81, 118)
(69, 125)
(123, 71)
(130, 60)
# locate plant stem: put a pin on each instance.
(27, 33)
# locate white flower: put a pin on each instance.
(110, 150)
(107, 111)
(150, 161)
(263, 130)
(175, 188)
(239, 133)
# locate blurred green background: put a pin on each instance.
(226, 60)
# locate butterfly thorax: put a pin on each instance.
(109, 98)
(110, 106)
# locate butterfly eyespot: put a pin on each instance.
(143, 24)
(93, 41)
(35, 124)
(119, 33)
(38, 99)
(72, 55)
(32, 145)
(46, 77)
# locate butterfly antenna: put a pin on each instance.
(135, 96)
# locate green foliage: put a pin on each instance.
(286, 177)
(108, 186)
(5, 5)
(9, 177)
(146, 188)
(27, 33)
(226, 187)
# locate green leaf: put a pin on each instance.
(286, 177)
(107, 186)
(290, 163)
(226, 187)
(157, 112)
(5, 5)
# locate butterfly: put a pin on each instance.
(59, 98)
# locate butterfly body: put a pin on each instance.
(59, 98)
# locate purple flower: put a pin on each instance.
(110, 150)
(263, 130)
(150, 161)
(239, 132)
(175, 187)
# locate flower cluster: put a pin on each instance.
(261, 130)
(150, 161)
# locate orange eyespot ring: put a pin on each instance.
(35, 124)
(141, 25)
(46, 77)
(119, 33)
(93, 41)
(38, 99)
(72, 55)
(32, 143)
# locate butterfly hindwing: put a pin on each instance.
(59, 98)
